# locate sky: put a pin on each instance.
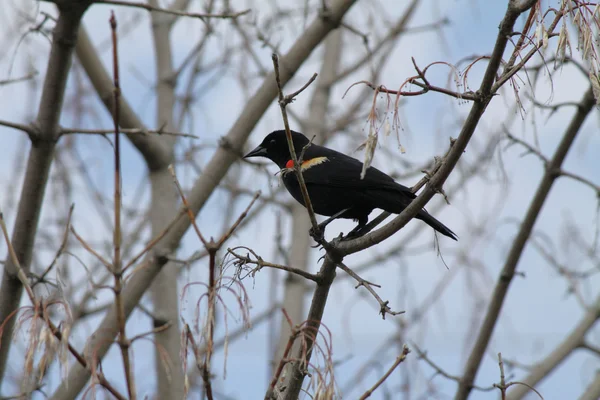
(538, 312)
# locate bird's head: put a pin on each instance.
(275, 147)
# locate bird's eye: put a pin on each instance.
(272, 142)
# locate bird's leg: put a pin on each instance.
(358, 230)
(320, 236)
(355, 233)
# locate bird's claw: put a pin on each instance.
(318, 234)
(353, 234)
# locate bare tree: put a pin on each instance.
(110, 189)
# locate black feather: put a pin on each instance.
(334, 183)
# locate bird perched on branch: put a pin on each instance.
(334, 183)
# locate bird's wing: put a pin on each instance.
(340, 170)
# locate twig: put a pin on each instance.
(399, 360)
(502, 385)
(186, 206)
(383, 305)
(62, 247)
(117, 271)
(439, 371)
(192, 341)
(243, 215)
(19, 79)
(156, 330)
(55, 331)
(421, 73)
(27, 128)
(580, 179)
(173, 12)
(283, 102)
(211, 247)
(559, 172)
(260, 263)
(425, 88)
(291, 97)
(153, 242)
(530, 148)
(16, 263)
(82, 361)
(130, 131)
(93, 252)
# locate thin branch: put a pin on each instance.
(502, 385)
(383, 305)
(260, 263)
(27, 128)
(131, 131)
(243, 215)
(514, 255)
(62, 247)
(148, 7)
(154, 331)
(399, 360)
(152, 242)
(10, 81)
(117, 269)
(283, 102)
(186, 206)
(425, 89)
(580, 179)
(93, 252)
(292, 96)
(530, 148)
(15, 260)
(440, 371)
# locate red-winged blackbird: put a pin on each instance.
(334, 184)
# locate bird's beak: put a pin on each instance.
(257, 152)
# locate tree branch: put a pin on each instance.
(38, 165)
(514, 255)
(216, 168)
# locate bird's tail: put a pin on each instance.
(435, 224)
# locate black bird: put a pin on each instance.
(334, 184)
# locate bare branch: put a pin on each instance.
(383, 305)
(260, 263)
(518, 245)
(399, 360)
(283, 102)
(131, 131)
(38, 167)
(148, 7)
(28, 129)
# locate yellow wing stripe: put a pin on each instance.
(312, 162)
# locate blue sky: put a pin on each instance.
(538, 312)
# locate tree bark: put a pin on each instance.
(164, 292)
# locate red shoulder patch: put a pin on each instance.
(306, 164)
